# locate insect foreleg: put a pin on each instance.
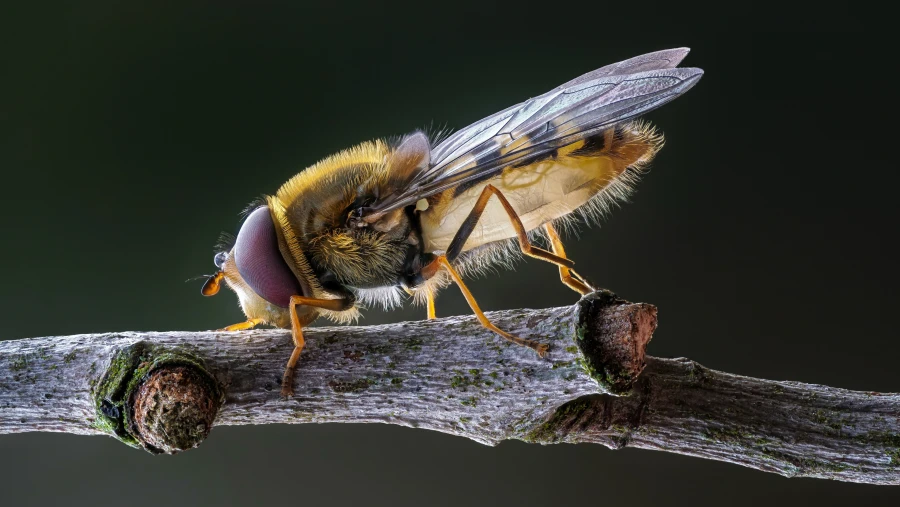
(297, 323)
(240, 326)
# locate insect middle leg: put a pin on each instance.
(462, 235)
(430, 302)
(459, 240)
(297, 323)
(441, 261)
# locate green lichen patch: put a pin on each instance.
(829, 419)
(549, 432)
(751, 441)
(351, 386)
(376, 349)
(462, 381)
(729, 435)
(895, 457)
(19, 363)
(610, 378)
(807, 466)
(890, 442)
(22, 362)
(470, 402)
(109, 393)
(413, 343)
(580, 332)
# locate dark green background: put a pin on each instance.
(131, 136)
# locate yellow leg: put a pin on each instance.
(430, 296)
(566, 274)
(240, 326)
(540, 348)
(468, 225)
(297, 323)
(287, 380)
(570, 278)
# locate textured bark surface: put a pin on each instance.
(450, 375)
(453, 376)
(790, 428)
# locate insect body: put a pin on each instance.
(365, 225)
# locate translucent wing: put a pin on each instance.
(665, 59)
(564, 115)
(468, 136)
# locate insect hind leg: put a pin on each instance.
(567, 275)
(459, 240)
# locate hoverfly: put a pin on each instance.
(366, 224)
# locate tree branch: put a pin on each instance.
(164, 391)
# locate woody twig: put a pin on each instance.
(164, 391)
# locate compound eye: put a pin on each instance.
(259, 261)
(220, 259)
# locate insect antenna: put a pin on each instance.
(199, 277)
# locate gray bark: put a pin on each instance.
(789, 428)
(451, 375)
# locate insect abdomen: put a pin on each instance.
(588, 176)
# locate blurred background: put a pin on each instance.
(131, 136)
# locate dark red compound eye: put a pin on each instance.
(260, 263)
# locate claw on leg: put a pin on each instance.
(287, 381)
